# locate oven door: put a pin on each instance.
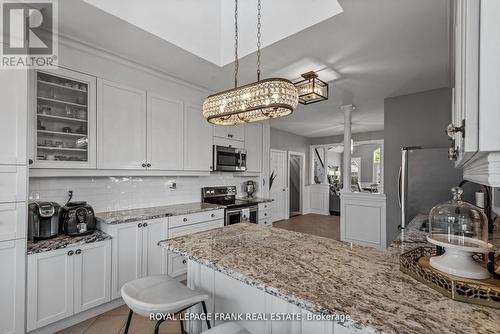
(229, 159)
(235, 216)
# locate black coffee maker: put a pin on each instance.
(43, 220)
(77, 219)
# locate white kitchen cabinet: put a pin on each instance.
(12, 279)
(165, 133)
(121, 126)
(12, 183)
(13, 128)
(236, 132)
(253, 145)
(67, 281)
(197, 140)
(12, 221)
(135, 251)
(266, 214)
(92, 275)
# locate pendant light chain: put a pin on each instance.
(259, 7)
(236, 61)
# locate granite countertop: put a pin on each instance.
(64, 241)
(326, 276)
(257, 199)
(125, 216)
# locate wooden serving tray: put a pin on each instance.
(482, 292)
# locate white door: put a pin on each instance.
(121, 126)
(127, 256)
(165, 133)
(154, 257)
(253, 145)
(197, 140)
(13, 127)
(278, 190)
(92, 275)
(50, 287)
(12, 257)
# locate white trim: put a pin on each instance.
(484, 168)
(53, 172)
(302, 179)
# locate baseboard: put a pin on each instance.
(77, 318)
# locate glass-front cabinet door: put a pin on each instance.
(64, 120)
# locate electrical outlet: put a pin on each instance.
(34, 196)
(172, 185)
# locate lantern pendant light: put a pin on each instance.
(261, 100)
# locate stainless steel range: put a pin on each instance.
(237, 210)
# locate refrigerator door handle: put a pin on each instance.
(399, 186)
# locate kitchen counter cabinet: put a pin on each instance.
(197, 140)
(321, 276)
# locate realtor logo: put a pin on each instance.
(29, 36)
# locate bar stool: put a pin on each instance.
(160, 294)
(227, 328)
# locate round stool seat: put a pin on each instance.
(159, 294)
(227, 328)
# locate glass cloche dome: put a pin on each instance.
(461, 228)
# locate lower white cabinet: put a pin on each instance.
(67, 281)
(266, 214)
(135, 251)
(12, 258)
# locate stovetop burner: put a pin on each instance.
(224, 196)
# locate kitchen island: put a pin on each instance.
(248, 268)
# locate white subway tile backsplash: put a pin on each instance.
(118, 193)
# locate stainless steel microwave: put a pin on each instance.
(229, 159)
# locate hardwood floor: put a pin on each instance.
(323, 226)
(113, 322)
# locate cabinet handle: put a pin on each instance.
(145, 225)
(184, 261)
(149, 165)
(230, 135)
(30, 161)
(212, 215)
(78, 252)
(71, 253)
(265, 214)
(144, 165)
(185, 220)
(139, 225)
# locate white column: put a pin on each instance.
(347, 109)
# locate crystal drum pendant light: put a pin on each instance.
(261, 100)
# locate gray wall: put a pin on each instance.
(286, 141)
(340, 138)
(411, 120)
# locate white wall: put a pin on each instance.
(118, 193)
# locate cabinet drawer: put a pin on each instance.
(265, 214)
(266, 222)
(194, 228)
(12, 221)
(265, 206)
(195, 218)
(177, 265)
(12, 184)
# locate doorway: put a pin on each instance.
(278, 184)
(296, 164)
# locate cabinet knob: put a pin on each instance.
(144, 165)
(185, 220)
(149, 165)
(145, 225)
(265, 214)
(184, 261)
(212, 215)
(230, 135)
(71, 253)
(30, 161)
(139, 225)
(78, 252)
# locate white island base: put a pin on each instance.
(231, 296)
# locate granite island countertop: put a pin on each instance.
(125, 216)
(63, 241)
(257, 199)
(326, 276)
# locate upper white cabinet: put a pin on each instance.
(13, 127)
(165, 133)
(253, 145)
(197, 140)
(476, 106)
(121, 126)
(63, 119)
(230, 132)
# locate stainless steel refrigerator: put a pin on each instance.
(425, 179)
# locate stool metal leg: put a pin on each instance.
(129, 319)
(182, 327)
(206, 313)
(157, 327)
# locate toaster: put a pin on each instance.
(43, 220)
(77, 218)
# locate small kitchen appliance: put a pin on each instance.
(250, 188)
(229, 159)
(237, 210)
(43, 220)
(462, 229)
(77, 218)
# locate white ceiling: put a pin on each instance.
(206, 28)
(373, 50)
